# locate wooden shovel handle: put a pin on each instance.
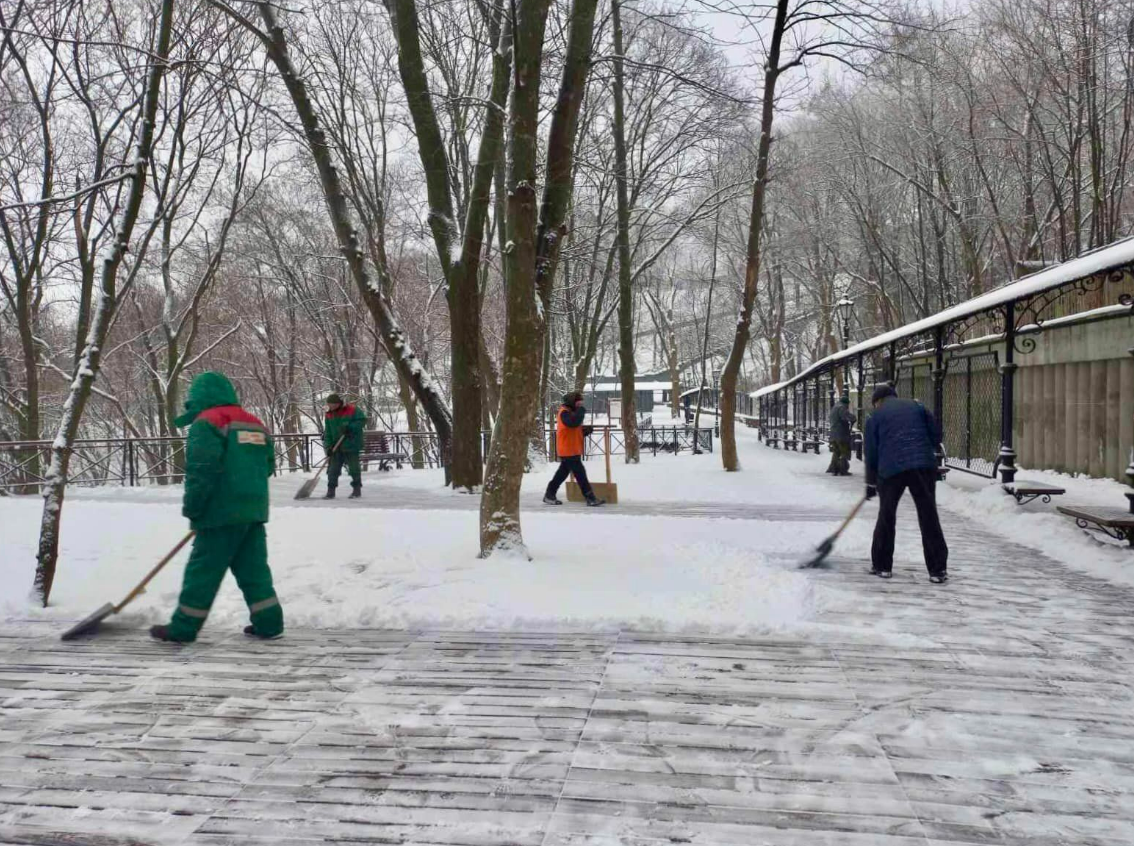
(150, 575)
(606, 449)
(327, 457)
(850, 516)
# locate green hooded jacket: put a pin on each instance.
(348, 422)
(228, 458)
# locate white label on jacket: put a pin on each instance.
(246, 437)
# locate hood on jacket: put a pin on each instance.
(209, 390)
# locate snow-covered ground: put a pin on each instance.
(373, 564)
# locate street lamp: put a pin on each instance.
(846, 311)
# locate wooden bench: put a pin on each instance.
(812, 443)
(772, 441)
(1025, 491)
(376, 447)
(790, 443)
(1116, 523)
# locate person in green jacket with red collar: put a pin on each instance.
(346, 421)
(228, 459)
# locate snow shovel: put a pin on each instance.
(91, 622)
(309, 486)
(824, 549)
(607, 490)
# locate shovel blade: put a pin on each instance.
(821, 553)
(90, 623)
(305, 491)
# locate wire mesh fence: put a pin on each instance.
(972, 409)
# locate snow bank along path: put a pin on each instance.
(996, 710)
(672, 558)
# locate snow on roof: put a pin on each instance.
(615, 387)
(1088, 264)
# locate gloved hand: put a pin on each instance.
(871, 491)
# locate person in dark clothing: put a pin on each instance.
(569, 444)
(345, 421)
(841, 421)
(901, 452)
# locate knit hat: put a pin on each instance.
(882, 391)
(333, 399)
(844, 399)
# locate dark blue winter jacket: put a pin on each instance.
(900, 435)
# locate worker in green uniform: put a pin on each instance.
(228, 459)
(346, 421)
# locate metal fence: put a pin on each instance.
(971, 409)
(143, 461)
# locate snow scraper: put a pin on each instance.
(824, 549)
(91, 622)
(309, 486)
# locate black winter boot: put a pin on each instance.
(594, 502)
(162, 633)
(330, 494)
(251, 632)
(355, 492)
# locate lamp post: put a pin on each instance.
(846, 311)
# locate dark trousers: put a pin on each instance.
(571, 465)
(923, 489)
(840, 458)
(335, 469)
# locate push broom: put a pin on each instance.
(308, 486)
(91, 622)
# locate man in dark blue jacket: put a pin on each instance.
(901, 452)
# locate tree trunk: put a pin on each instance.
(674, 368)
(708, 324)
(523, 330)
(404, 359)
(87, 367)
(731, 372)
(29, 419)
(528, 286)
(625, 286)
(461, 275)
(464, 288)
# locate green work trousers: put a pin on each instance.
(840, 458)
(243, 548)
(335, 469)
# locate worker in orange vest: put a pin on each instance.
(569, 445)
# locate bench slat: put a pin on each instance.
(1026, 487)
(1117, 518)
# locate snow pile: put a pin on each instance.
(412, 563)
(1039, 526)
(342, 568)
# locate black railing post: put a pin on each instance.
(969, 413)
(1130, 468)
(939, 389)
(130, 459)
(1007, 390)
(861, 408)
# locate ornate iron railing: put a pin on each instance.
(140, 461)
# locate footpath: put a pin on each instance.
(998, 709)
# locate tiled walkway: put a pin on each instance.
(996, 710)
